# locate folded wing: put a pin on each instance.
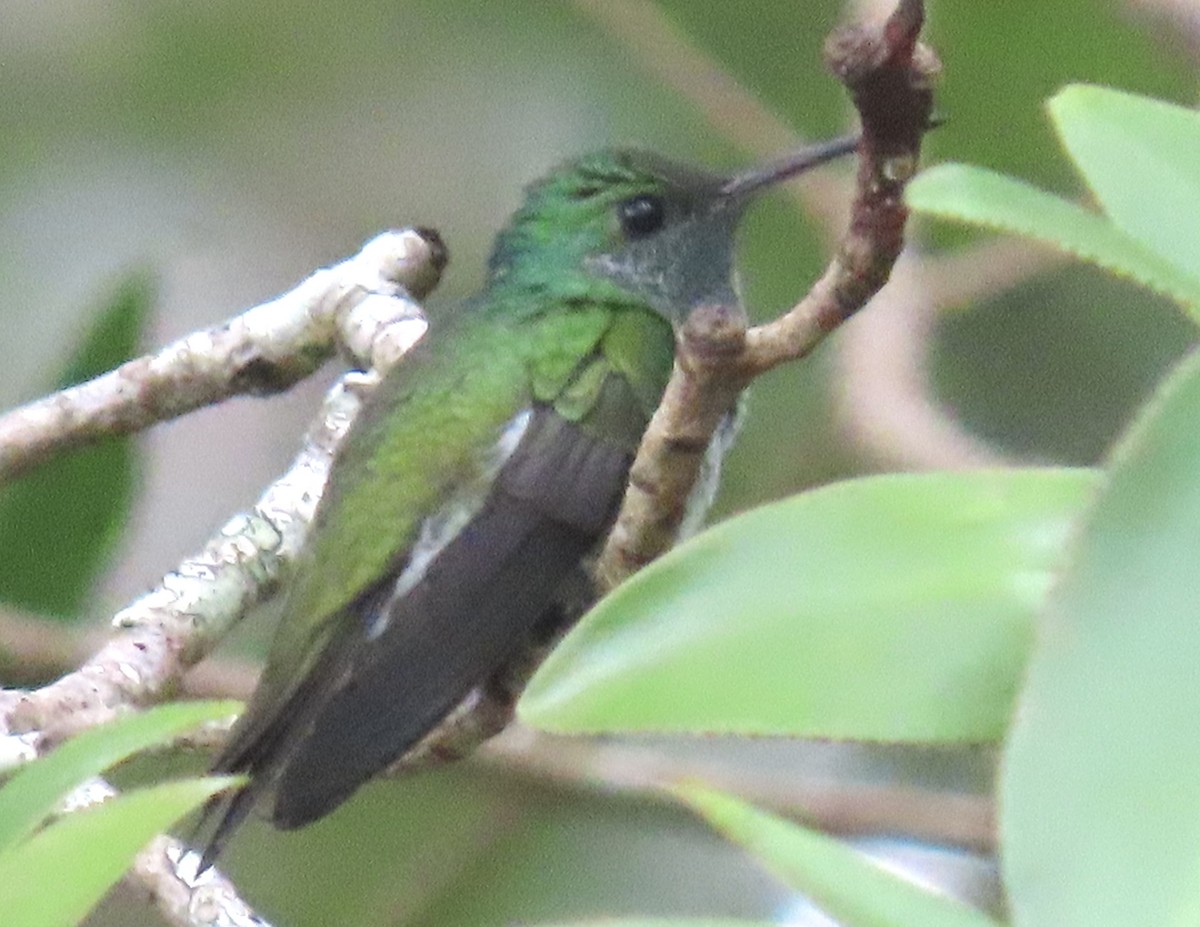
(410, 659)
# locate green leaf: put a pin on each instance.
(839, 880)
(1099, 784)
(1138, 156)
(983, 197)
(58, 523)
(889, 608)
(32, 794)
(1000, 83)
(57, 876)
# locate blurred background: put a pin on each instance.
(227, 149)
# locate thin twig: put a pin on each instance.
(889, 76)
(36, 648)
(949, 818)
(587, 763)
(597, 764)
(1179, 20)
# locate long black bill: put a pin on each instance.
(740, 185)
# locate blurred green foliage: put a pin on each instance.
(1096, 775)
(53, 867)
(58, 523)
(1111, 680)
(838, 613)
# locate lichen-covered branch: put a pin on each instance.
(889, 75)
(173, 626)
(265, 350)
(365, 305)
(166, 869)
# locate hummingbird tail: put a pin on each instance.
(228, 811)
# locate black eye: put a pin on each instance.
(641, 215)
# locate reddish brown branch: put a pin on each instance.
(889, 75)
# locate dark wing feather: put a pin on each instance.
(369, 699)
(474, 608)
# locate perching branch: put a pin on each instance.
(166, 868)
(167, 630)
(173, 626)
(884, 400)
(889, 75)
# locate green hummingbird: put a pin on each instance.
(483, 473)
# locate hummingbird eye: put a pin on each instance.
(641, 215)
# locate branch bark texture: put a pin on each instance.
(362, 304)
(265, 350)
(889, 76)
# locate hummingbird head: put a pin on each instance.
(652, 229)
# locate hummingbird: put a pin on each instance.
(483, 473)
